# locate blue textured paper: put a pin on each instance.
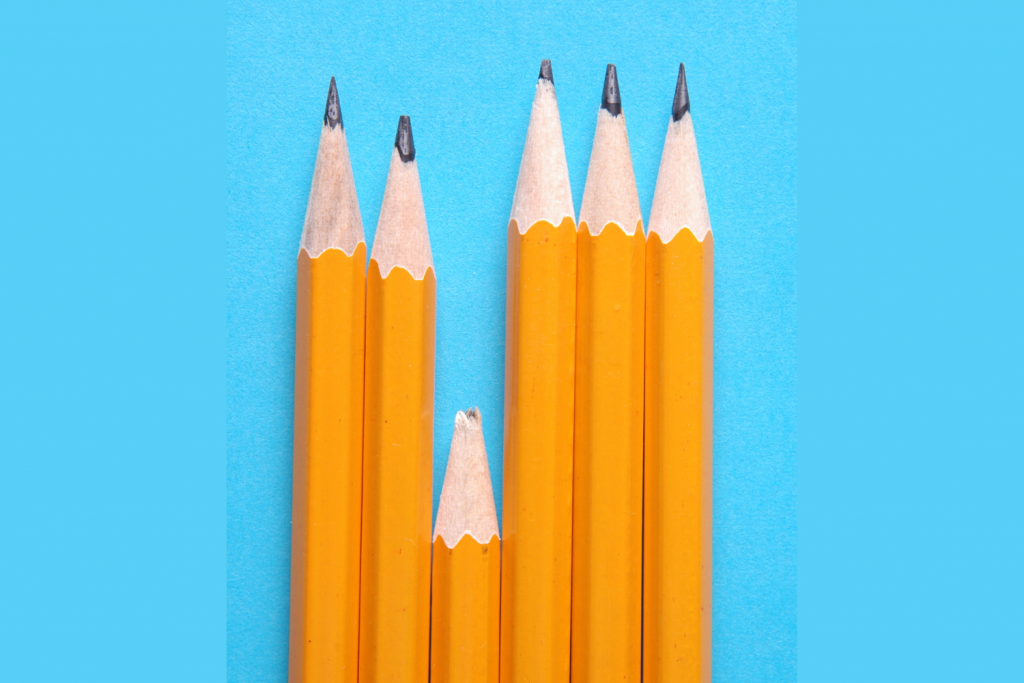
(911, 331)
(112, 343)
(466, 73)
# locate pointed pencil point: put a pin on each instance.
(403, 139)
(545, 71)
(332, 113)
(681, 103)
(610, 99)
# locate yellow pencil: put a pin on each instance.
(465, 588)
(539, 357)
(608, 467)
(329, 327)
(394, 620)
(677, 413)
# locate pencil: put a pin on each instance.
(465, 590)
(329, 317)
(394, 621)
(677, 413)
(608, 465)
(539, 358)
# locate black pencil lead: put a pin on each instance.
(545, 71)
(610, 99)
(403, 140)
(332, 113)
(681, 103)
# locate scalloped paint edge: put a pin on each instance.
(464, 534)
(393, 267)
(678, 232)
(326, 249)
(542, 220)
(639, 226)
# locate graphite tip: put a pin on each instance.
(545, 71)
(403, 140)
(332, 113)
(681, 103)
(610, 99)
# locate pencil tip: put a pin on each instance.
(681, 103)
(403, 139)
(545, 71)
(610, 99)
(332, 113)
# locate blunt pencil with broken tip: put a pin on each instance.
(465, 587)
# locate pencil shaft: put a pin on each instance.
(608, 460)
(394, 624)
(677, 459)
(537, 525)
(465, 600)
(328, 465)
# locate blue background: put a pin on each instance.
(911, 337)
(465, 73)
(113, 345)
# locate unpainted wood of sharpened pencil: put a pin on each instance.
(677, 413)
(394, 618)
(607, 529)
(465, 588)
(327, 475)
(536, 558)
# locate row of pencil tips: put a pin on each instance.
(333, 196)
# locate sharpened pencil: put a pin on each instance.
(607, 530)
(327, 480)
(394, 619)
(677, 413)
(539, 358)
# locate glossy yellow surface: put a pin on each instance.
(539, 387)
(464, 614)
(677, 460)
(328, 456)
(394, 622)
(608, 467)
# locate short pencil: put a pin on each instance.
(465, 593)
